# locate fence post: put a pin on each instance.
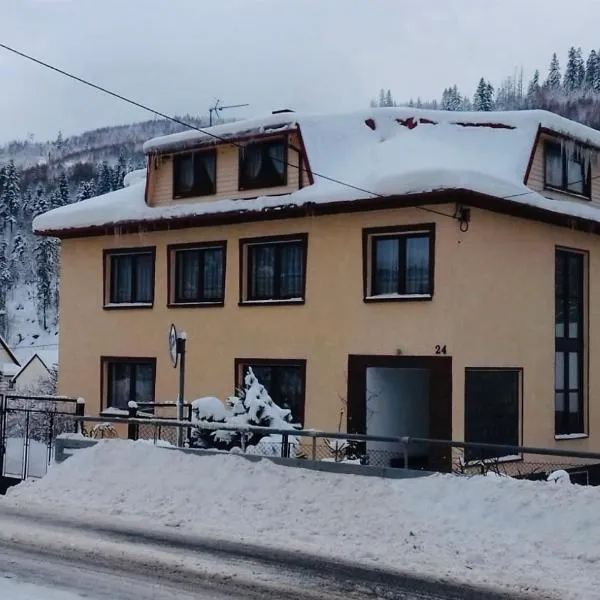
(284, 446)
(79, 411)
(314, 448)
(132, 428)
(405, 442)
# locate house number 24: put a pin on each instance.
(440, 349)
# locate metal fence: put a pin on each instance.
(29, 426)
(408, 452)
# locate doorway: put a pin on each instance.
(396, 396)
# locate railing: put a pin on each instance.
(406, 452)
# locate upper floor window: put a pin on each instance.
(263, 165)
(398, 263)
(130, 277)
(128, 379)
(274, 269)
(197, 274)
(567, 169)
(569, 341)
(194, 173)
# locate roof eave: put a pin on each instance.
(290, 211)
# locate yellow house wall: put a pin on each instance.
(493, 306)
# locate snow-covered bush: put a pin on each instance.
(251, 406)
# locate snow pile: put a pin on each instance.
(499, 531)
(560, 476)
(380, 151)
(137, 176)
(253, 406)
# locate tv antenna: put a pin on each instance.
(217, 107)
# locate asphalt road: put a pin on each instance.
(210, 570)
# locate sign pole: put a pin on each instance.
(181, 340)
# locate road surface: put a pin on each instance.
(43, 559)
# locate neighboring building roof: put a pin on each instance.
(9, 369)
(26, 365)
(379, 152)
(8, 351)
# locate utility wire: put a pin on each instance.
(229, 141)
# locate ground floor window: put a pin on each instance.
(492, 410)
(128, 379)
(285, 380)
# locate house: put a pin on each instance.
(9, 365)
(34, 377)
(419, 272)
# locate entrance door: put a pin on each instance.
(402, 395)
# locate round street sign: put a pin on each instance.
(173, 345)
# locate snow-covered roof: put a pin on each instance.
(359, 156)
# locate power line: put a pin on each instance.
(190, 126)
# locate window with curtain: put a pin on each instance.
(131, 277)
(263, 164)
(275, 269)
(569, 347)
(199, 274)
(567, 170)
(400, 264)
(129, 380)
(284, 380)
(194, 173)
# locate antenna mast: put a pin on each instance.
(216, 108)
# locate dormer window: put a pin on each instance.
(567, 169)
(263, 165)
(194, 174)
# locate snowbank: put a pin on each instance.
(516, 534)
(405, 151)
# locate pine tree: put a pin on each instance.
(104, 181)
(389, 101)
(381, 97)
(484, 96)
(45, 263)
(86, 190)
(554, 77)
(591, 70)
(63, 189)
(40, 201)
(119, 173)
(11, 195)
(534, 89)
(574, 72)
(18, 248)
(451, 99)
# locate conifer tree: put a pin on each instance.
(554, 77)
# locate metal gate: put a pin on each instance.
(28, 429)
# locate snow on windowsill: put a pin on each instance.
(119, 412)
(274, 301)
(399, 297)
(574, 195)
(571, 436)
(128, 305)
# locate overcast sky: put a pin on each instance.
(317, 55)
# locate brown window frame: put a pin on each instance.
(260, 183)
(172, 274)
(565, 345)
(370, 235)
(476, 454)
(246, 275)
(564, 186)
(106, 361)
(240, 363)
(196, 190)
(108, 279)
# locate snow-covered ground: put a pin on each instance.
(13, 589)
(513, 534)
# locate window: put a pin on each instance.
(198, 274)
(284, 380)
(130, 275)
(569, 348)
(129, 379)
(274, 268)
(398, 263)
(567, 169)
(263, 164)
(492, 407)
(194, 174)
